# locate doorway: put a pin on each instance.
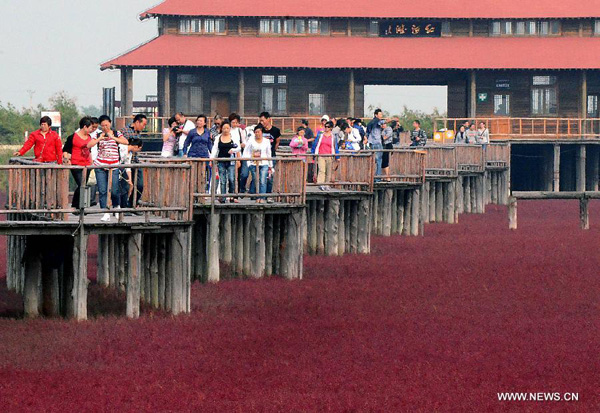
(219, 104)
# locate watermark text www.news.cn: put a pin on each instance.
(539, 397)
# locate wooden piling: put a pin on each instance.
(512, 213)
(584, 216)
(213, 248)
(134, 249)
(332, 227)
(415, 212)
(387, 213)
(80, 280)
(257, 246)
(439, 202)
(364, 229)
(32, 291)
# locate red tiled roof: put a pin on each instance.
(368, 52)
(456, 9)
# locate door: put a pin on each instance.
(592, 126)
(219, 104)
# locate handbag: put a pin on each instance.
(92, 178)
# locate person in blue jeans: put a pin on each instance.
(374, 131)
(224, 147)
(259, 148)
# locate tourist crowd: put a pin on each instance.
(244, 154)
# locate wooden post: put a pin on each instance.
(580, 171)
(467, 185)
(423, 199)
(584, 216)
(226, 248)
(134, 249)
(556, 185)
(162, 270)
(452, 202)
(241, 92)
(32, 291)
(460, 201)
(258, 244)
(331, 227)
(400, 214)
(432, 203)
(512, 213)
(320, 227)
(247, 245)
(351, 93)
(164, 91)
(212, 246)
(439, 202)
(178, 260)
(80, 281)
(414, 218)
(407, 213)
(126, 91)
(293, 252)
(364, 230)
(473, 94)
(268, 245)
(312, 227)
(425, 202)
(341, 228)
(386, 208)
(375, 212)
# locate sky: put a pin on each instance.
(52, 45)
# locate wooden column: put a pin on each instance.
(415, 213)
(78, 307)
(364, 226)
(584, 215)
(512, 213)
(451, 201)
(580, 169)
(472, 94)
(241, 92)
(126, 91)
(179, 273)
(556, 184)
(134, 273)
(386, 209)
(584, 93)
(439, 202)
(212, 248)
(291, 266)
(351, 94)
(32, 292)
(164, 91)
(257, 246)
(332, 216)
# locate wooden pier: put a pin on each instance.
(182, 231)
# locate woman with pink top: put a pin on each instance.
(299, 143)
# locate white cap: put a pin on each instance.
(325, 117)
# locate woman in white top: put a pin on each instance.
(352, 138)
(239, 135)
(259, 149)
(483, 135)
(225, 146)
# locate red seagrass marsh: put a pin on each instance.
(442, 322)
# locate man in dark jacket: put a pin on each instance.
(418, 136)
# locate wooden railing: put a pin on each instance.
(530, 128)
(406, 166)
(470, 158)
(497, 155)
(42, 191)
(289, 179)
(441, 161)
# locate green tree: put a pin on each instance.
(91, 110)
(14, 123)
(69, 113)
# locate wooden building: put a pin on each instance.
(505, 59)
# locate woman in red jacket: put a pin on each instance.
(46, 143)
(81, 155)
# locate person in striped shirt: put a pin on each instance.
(108, 141)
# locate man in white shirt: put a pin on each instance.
(186, 126)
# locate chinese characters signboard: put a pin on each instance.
(409, 28)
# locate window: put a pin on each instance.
(267, 99)
(496, 29)
(268, 79)
(555, 27)
(324, 26)
(282, 79)
(531, 28)
(209, 25)
(272, 26)
(374, 28)
(318, 26)
(446, 30)
(185, 26)
(502, 105)
(544, 28)
(288, 26)
(300, 26)
(592, 106)
(189, 99)
(507, 27)
(544, 96)
(597, 27)
(316, 104)
(520, 28)
(195, 26)
(281, 101)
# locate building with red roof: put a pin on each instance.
(504, 59)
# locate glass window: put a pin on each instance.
(544, 28)
(592, 106)
(544, 96)
(446, 30)
(265, 26)
(185, 25)
(324, 26)
(520, 28)
(189, 99)
(544, 80)
(316, 104)
(268, 79)
(282, 79)
(496, 29)
(220, 25)
(313, 26)
(597, 27)
(196, 26)
(507, 27)
(288, 26)
(281, 100)
(374, 28)
(267, 99)
(501, 105)
(300, 26)
(531, 28)
(555, 27)
(209, 25)
(275, 26)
